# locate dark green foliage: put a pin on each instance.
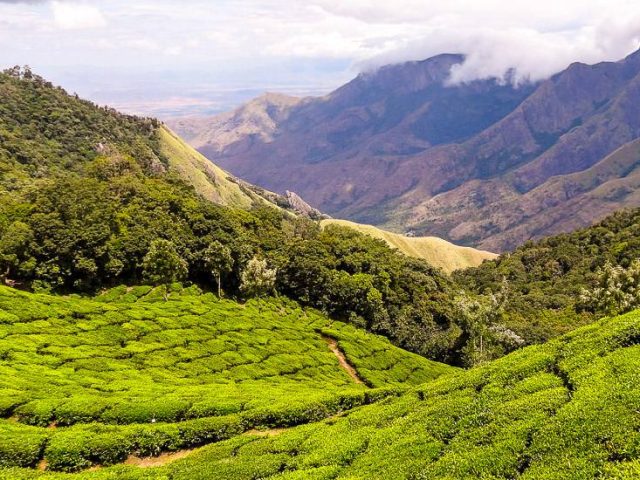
(547, 277)
(162, 265)
(217, 258)
(85, 197)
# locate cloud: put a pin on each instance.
(77, 16)
(314, 44)
(498, 38)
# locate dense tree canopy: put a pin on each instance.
(85, 194)
(546, 278)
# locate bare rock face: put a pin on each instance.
(480, 163)
(298, 205)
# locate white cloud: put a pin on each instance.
(77, 16)
(537, 39)
(323, 41)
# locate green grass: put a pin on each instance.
(209, 180)
(91, 381)
(569, 409)
(434, 250)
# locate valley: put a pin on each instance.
(161, 318)
(480, 164)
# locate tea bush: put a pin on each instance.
(90, 381)
(568, 409)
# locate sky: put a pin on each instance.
(167, 58)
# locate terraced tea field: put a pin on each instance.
(91, 382)
(569, 409)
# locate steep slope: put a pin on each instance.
(209, 180)
(129, 372)
(435, 251)
(47, 133)
(398, 148)
(565, 410)
(91, 199)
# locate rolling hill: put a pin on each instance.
(89, 381)
(435, 251)
(480, 164)
(564, 410)
(88, 196)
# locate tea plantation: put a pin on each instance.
(569, 409)
(92, 381)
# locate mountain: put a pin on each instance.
(480, 163)
(259, 118)
(433, 250)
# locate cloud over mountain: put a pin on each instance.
(245, 43)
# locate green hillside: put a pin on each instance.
(92, 381)
(436, 251)
(564, 410)
(545, 278)
(208, 180)
(86, 192)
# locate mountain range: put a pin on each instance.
(486, 163)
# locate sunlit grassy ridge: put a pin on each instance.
(569, 409)
(208, 179)
(91, 381)
(435, 251)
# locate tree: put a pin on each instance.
(14, 249)
(617, 290)
(257, 278)
(481, 319)
(162, 265)
(218, 260)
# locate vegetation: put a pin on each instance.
(547, 278)
(91, 201)
(162, 265)
(564, 410)
(130, 373)
(617, 290)
(86, 194)
(435, 251)
(257, 279)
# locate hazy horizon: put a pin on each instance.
(169, 58)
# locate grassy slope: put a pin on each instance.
(128, 372)
(565, 410)
(208, 179)
(436, 251)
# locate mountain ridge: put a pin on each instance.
(399, 147)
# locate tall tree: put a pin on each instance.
(617, 290)
(162, 265)
(218, 260)
(257, 278)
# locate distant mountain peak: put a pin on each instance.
(483, 163)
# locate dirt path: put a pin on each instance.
(272, 432)
(160, 460)
(344, 363)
